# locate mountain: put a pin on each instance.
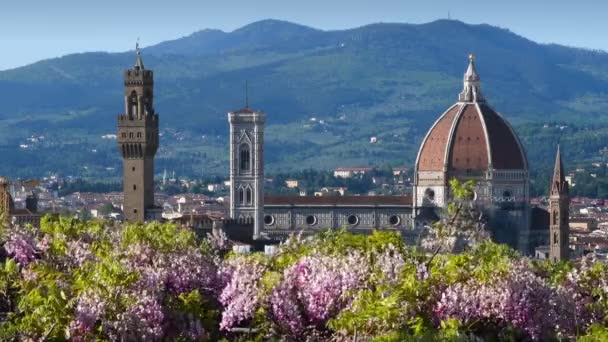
(325, 94)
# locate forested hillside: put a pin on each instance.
(326, 93)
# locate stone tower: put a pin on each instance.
(6, 200)
(138, 142)
(247, 166)
(559, 206)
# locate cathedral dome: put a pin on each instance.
(470, 135)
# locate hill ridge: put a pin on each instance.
(389, 80)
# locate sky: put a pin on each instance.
(32, 30)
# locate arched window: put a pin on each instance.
(133, 103)
(148, 103)
(241, 196)
(249, 196)
(555, 238)
(245, 160)
(554, 218)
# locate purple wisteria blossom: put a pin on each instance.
(21, 246)
(241, 295)
(520, 299)
(316, 289)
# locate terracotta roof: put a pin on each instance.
(470, 135)
(506, 151)
(338, 200)
(432, 151)
(468, 131)
(469, 148)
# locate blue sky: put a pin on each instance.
(31, 30)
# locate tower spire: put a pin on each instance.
(559, 184)
(139, 63)
(559, 211)
(472, 84)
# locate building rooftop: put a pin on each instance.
(339, 200)
(470, 135)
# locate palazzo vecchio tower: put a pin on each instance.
(138, 142)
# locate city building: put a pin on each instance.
(471, 141)
(277, 217)
(284, 215)
(138, 143)
(291, 183)
(347, 172)
(18, 216)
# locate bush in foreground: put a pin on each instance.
(84, 281)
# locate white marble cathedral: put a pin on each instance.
(470, 141)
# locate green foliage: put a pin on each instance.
(162, 237)
(396, 299)
(9, 284)
(341, 241)
(462, 191)
(45, 309)
(556, 272)
(485, 262)
(596, 333)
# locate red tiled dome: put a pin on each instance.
(470, 135)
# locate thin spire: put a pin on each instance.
(559, 184)
(139, 63)
(472, 84)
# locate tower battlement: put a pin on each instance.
(134, 75)
(126, 120)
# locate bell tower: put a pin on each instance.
(138, 141)
(559, 207)
(247, 166)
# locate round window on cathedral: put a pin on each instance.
(394, 220)
(268, 220)
(311, 220)
(353, 220)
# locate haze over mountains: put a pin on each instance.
(390, 81)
